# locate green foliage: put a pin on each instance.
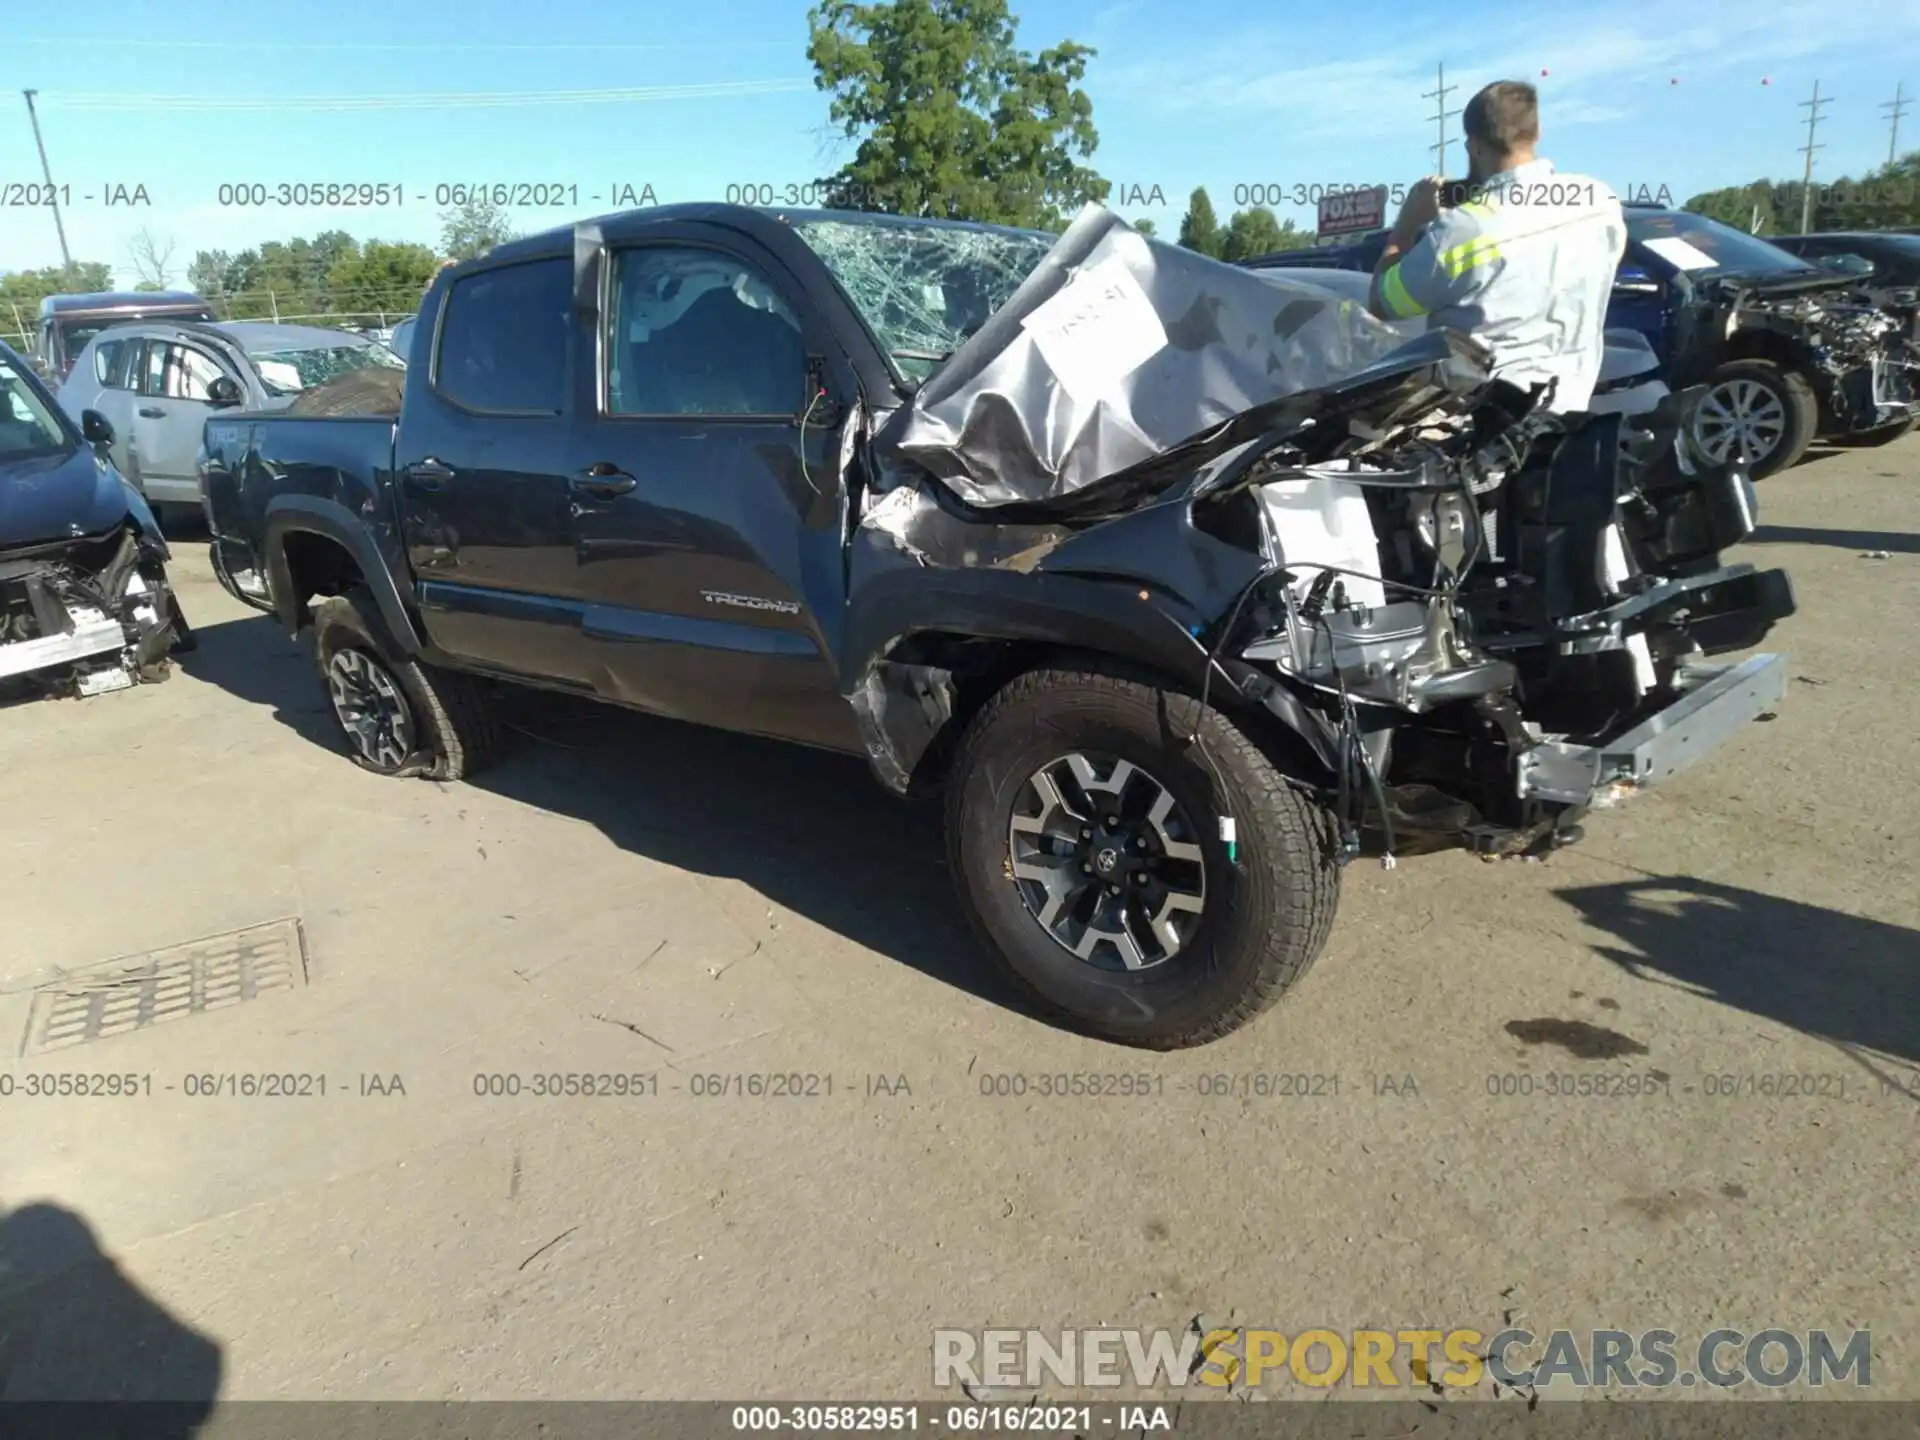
(1199, 227)
(473, 229)
(25, 289)
(1258, 232)
(1885, 198)
(383, 276)
(951, 119)
(331, 274)
(1145, 227)
(147, 287)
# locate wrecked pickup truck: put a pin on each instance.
(1187, 586)
(85, 606)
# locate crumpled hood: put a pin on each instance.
(62, 497)
(1117, 350)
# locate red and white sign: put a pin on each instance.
(1353, 212)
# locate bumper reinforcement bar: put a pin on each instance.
(1725, 700)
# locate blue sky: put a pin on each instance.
(1186, 92)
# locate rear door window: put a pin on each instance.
(503, 341)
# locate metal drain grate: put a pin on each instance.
(120, 997)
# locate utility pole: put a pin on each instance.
(1440, 117)
(53, 197)
(1812, 107)
(1895, 109)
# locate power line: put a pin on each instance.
(1895, 109)
(454, 100)
(1440, 117)
(413, 46)
(1812, 107)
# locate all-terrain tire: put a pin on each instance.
(1268, 910)
(455, 731)
(1801, 407)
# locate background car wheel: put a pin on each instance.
(399, 717)
(1756, 411)
(1083, 828)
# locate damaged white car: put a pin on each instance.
(85, 606)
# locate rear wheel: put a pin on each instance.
(1084, 828)
(398, 716)
(1758, 413)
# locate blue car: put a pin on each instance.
(1786, 352)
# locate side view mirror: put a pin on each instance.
(96, 428)
(1632, 280)
(224, 391)
(820, 410)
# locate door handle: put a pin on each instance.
(602, 481)
(152, 414)
(429, 474)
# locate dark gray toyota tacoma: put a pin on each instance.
(1185, 585)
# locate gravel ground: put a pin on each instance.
(631, 897)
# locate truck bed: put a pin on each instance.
(252, 461)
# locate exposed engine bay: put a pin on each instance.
(1472, 618)
(1862, 357)
(87, 616)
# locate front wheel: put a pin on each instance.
(1084, 826)
(399, 717)
(1758, 413)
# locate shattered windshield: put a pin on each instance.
(28, 428)
(287, 372)
(924, 288)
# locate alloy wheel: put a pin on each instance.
(371, 708)
(1740, 420)
(1107, 862)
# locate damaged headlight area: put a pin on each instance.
(1506, 616)
(1460, 617)
(88, 615)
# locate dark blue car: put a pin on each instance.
(1784, 348)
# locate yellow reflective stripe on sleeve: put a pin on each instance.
(1477, 207)
(1474, 253)
(1393, 294)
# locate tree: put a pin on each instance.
(382, 277)
(473, 229)
(950, 117)
(1257, 232)
(152, 258)
(1251, 232)
(21, 292)
(1145, 226)
(27, 288)
(1887, 198)
(1199, 228)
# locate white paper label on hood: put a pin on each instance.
(1100, 328)
(1683, 253)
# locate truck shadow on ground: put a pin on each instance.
(1852, 982)
(1892, 541)
(75, 1327)
(811, 831)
